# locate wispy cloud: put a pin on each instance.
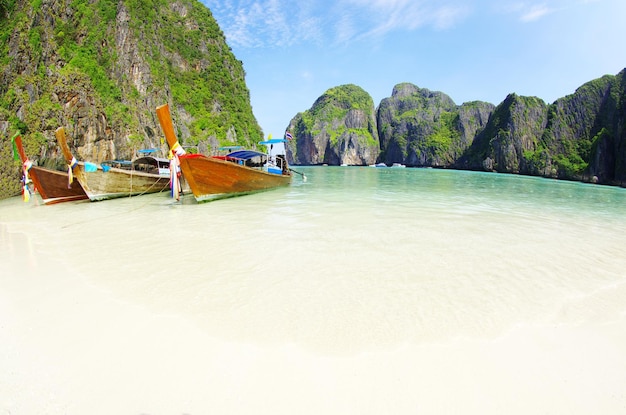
(251, 23)
(279, 23)
(385, 16)
(535, 12)
(446, 17)
(529, 12)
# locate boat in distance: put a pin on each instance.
(239, 172)
(52, 185)
(118, 178)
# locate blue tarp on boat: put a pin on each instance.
(245, 154)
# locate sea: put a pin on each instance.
(354, 290)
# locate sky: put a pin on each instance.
(294, 51)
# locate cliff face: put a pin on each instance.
(419, 127)
(340, 128)
(100, 68)
(513, 130)
(586, 134)
(618, 148)
(579, 137)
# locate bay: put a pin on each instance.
(383, 277)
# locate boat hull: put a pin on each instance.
(210, 178)
(53, 187)
(115, 183)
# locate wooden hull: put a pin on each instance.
(211, 179)
(52, 185)
(114, 183)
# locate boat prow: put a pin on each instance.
(237, 173)
(52, 185)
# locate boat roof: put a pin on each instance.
(149, 158)
(145, 159)
(245, 154)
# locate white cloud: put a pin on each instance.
(380, 17)
(446, 17)
(256, 23)
(530, 12)
(535, 12)
(409, 15)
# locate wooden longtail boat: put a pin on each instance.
(52, 185)
(102, 181)
(237, 173)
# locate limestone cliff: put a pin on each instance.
(514, 129)
(578, 137)
(340, 128)
(100, 68)
(419, 127)
(586, 133)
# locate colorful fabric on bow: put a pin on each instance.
(175, 173)
(26, 180)
(70, 174)
(90, 167)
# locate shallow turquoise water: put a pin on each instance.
(353, 258)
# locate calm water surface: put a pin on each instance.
(353, 259)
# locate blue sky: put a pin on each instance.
(293, 51)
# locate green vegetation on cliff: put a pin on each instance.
(419, 127)
(578, 137)
(578, 124)
(5, 6)
(340, 127)
(581, 136)
(444, 136)
(104, 66)
(334, 105)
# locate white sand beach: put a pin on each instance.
(69, 347)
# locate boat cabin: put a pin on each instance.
(146, 164)
(152, 165)
(277, 160)
(273, 161)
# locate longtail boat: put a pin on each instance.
(116, 179)
(237, 173)
(52, 185)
